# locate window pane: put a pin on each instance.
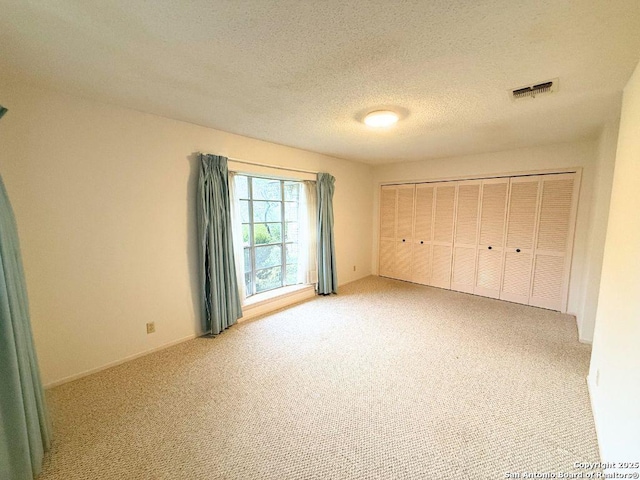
(292, 274)
(242, 186)
(292, 253)
(244, 211)
(266, 189)
(268, 256)
(264, 233)
(262, 206)
(292, 191)
(267, 211)
(247, 260)
(247, 284)
(246, 235)
(291, 232)
(291, 211)
(268, 279)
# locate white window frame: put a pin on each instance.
(252, 247)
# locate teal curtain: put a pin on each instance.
(327, 273)
(219, 284)
(25, 432)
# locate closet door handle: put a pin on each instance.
(403, 240)
(421, 242)
(517, 250)
(489, 247)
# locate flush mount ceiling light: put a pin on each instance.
(381, 118)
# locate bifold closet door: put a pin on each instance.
(423, 233)
(493, 213)
(442, 245)
(404, 232)
(465, 243)
(386, 254)
(552, 255)
(521, 224)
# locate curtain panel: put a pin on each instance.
(327, 273)
(25, 432)
(307, 234)
(238, 243)
(221, 306)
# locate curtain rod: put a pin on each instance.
(246, 162)
(270, 166)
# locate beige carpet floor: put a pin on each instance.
(386, 380)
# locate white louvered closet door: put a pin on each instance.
(521, 225)
(422, 233)
(558, 203)
(387, 247)
(465, 243)
(493, 214)
(442, 245)
(404, 232)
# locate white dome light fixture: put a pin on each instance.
(381, 119)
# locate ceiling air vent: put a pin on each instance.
(532, 91)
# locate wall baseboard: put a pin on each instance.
(356, 280)
(77, 376)
(251, 312)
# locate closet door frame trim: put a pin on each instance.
(522, 173)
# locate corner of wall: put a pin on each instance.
(615, 360)
(593, 398)
(602, 179)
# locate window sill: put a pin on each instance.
(275, 299)
(261, 298)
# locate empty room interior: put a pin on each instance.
(295, 239)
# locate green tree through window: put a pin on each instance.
(269, 211)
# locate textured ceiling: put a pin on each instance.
(304, 72)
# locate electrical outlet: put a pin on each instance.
(597, 377)
(151, 327)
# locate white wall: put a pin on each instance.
(104, 199)
(579, 154)
(614, 377)
(599, 214)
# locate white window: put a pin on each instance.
(269, 212)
